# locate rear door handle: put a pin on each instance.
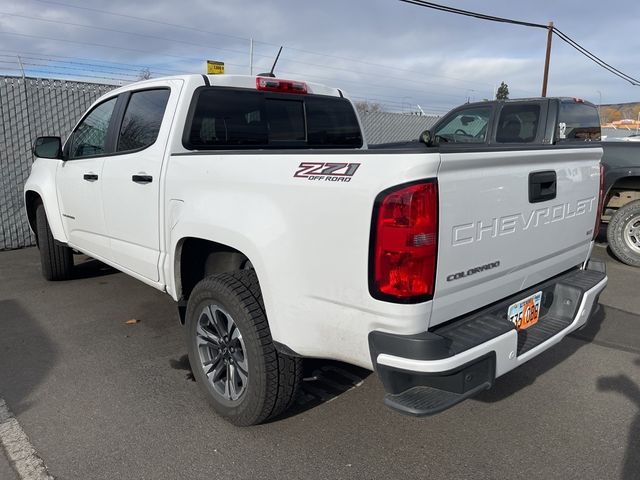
(542, 186)
(143, 179)
(90, 177)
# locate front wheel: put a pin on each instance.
(245, 379)
(623, 234)
(56, 260)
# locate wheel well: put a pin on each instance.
(32, 200)
(198, 258)
(625, 190)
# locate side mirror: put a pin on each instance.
(426, 137)
(48, 147)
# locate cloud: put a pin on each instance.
(382, 50)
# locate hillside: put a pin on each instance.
(619, 111)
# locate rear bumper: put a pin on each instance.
(426, 373)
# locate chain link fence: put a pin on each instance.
(386, 127)
(32, 107)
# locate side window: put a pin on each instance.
(142, 119)
(518, 124)
(577, 122)
(90, 137)
(465, 126)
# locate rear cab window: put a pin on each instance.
(518, 123)
(232, 118)
(577, 122)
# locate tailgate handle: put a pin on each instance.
(542, 186)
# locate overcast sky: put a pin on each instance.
(386, 51)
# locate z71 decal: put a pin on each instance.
(328, 172)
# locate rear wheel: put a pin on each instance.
(56, 260)
(246, 380)
(623, 234)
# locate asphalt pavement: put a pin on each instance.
(6, 472)
(100, 398)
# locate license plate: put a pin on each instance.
(525, 313)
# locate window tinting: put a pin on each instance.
(577, 122)
(518, 124)
(142, 119)
(90, 137)
(286, 120)
(466, 126)
(332, 122)
(228, 118)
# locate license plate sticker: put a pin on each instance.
(525, 313)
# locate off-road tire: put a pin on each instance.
(273, 377)
(56, 259)
(616, 233)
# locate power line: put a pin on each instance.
(113, 30)
(50, 72)
(181, 57)
(565, 38)
(143, 19)
(594, 58)
(349, 70)
(209, 32)
(468, 13)
(104, 62)
(367, 83)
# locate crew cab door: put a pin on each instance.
(79, 180)
(514, 211)
(132, 177)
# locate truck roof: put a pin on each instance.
(236, 81)
(529, 99)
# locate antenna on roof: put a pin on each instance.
(270, 74)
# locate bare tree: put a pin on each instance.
(145, 74)
(365, 106)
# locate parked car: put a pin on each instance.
(256, 204)
(622, 202)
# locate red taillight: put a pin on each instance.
(405, 243)
(596, 229)
(277, 85)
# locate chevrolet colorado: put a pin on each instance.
(257, 205)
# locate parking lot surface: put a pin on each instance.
(101, 398)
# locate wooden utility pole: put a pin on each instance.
(545, 79)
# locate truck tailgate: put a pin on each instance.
(502, 229)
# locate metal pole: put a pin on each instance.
(545, 79)
(21, 66)
(251, 57)
(26, 97)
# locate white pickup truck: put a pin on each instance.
(257, 205)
